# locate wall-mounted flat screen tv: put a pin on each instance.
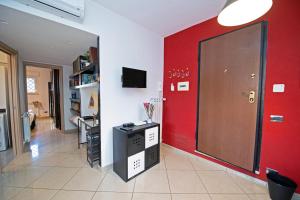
(134, 78)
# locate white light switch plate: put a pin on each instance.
(278, 88)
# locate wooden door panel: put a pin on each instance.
(229, 70)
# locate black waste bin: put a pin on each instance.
(280, 187)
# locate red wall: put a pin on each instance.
(281, 141)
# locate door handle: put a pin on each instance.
(251, 96)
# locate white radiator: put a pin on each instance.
(3, 133)
(158, 109)
(157, 114)
(26, 127)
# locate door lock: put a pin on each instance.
(251, 96)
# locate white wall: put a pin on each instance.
(43, 76)
(122, 43)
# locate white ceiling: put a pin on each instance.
(45, 41)
(165, 17)
(41, 40)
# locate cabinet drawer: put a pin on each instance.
(136, 143)
(136, 164)
(151, 137)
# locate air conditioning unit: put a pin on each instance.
(69, 9)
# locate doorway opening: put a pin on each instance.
(57, 49)
(44, 97)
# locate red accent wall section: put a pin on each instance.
(281, 141)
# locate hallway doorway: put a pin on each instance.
(44, 99)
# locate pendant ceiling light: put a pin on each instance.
(238, 12)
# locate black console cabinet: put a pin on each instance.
(136, 149)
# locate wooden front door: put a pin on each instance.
(229, 96)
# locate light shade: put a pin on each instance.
(238, 12)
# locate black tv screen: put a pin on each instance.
(134, 78)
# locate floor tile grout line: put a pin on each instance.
(157, 193)
(227, 176)
(61, 189)
(219, 193)
(71, 190)
(37, 178)
(166, 193)
(192, 156)
(93, 195)
(232, 175)
(168, 178)
(58, 166)
(134, 184)
(57, 191)
(231, 194)
(47, 169)
(235, 183)
(202, 183)
(194, 169)
(248, 195)
(105, 174)
(133, 189)
(15, 195)
(114, 192)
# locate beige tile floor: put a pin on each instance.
(43, 124)
(57, 170)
